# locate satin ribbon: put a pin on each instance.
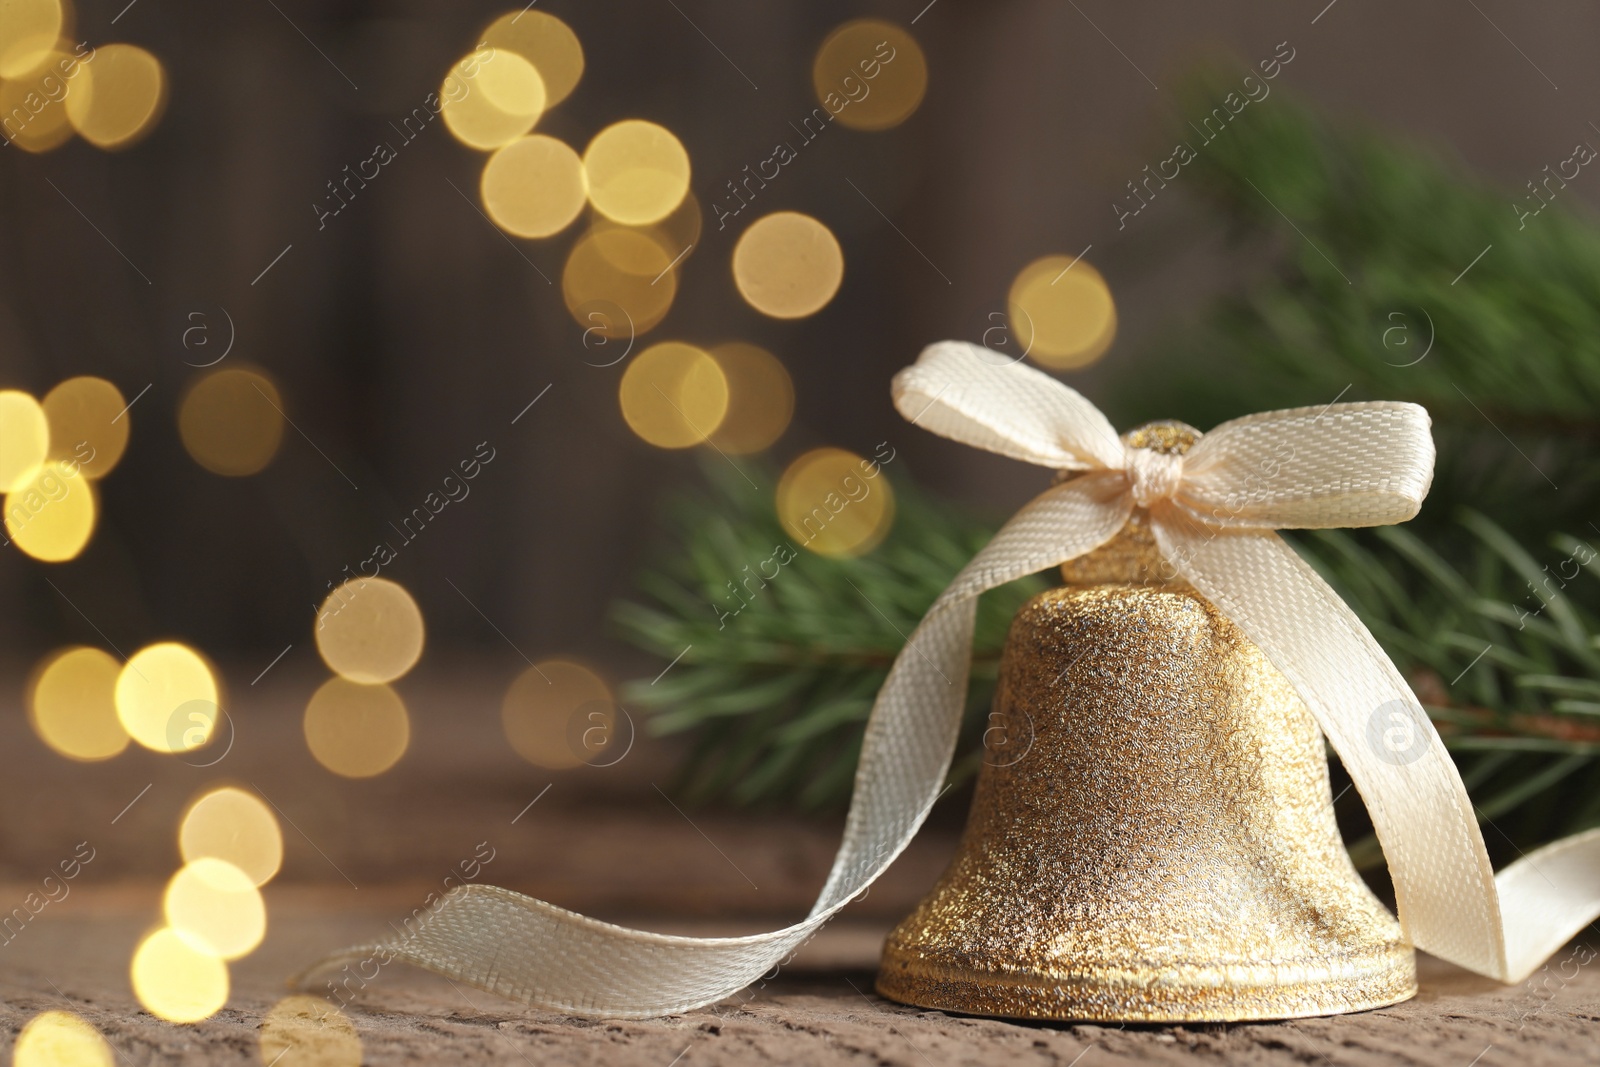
(1213, 512)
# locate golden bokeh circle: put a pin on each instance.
(787, 265)
(72, 704)
(24, 439)
(638, 172)
(118, 96)
(34, 107)
(370, 630)
(828, 503)
(618, 282)
(89, 424)
(870, 74)
(681, 229)
(760, 398)
(640, 252)
(167, 698)
(231, 421)
(60, 1039)
(1061, 312)
(52, 517)
(354, 730)
(544, 41)
(29, 30)
(44, 131)
(177, 982)
(307, 1031)
(673, 395)
(216, 908)
(533, 187)
(515, 87)
(233, 825)
(559, 714)
(490, 98)
(677, 234)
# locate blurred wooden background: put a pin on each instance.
(408, 330)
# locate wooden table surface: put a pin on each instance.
(360, 855)
(819, 1011)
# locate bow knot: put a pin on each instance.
(1152, 475)
(1364, 464)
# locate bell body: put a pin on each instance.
(1152, 837)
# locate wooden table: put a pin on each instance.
(360, 855)
(820, 1011)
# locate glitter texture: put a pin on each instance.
(1152, 838)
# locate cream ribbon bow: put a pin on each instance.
(1213, 512)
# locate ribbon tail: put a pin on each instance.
(542, 955)
(1449, 901)
(1547, 896)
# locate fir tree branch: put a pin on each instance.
(1509, 347)
(775, 695)
(1505, 664)
(778, 673)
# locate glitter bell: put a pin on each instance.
(1152, 837)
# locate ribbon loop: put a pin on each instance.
(1367, 464)
(992, 402)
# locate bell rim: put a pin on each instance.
(1156, 995)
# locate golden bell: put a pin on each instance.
(1152, 837)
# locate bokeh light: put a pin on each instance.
(638, 172)
(370, 630)
(640, 252)
(681, 229)
(51, 517)
(24, 439)
(356, 731)
(89, 424)
(673, 395)
(60, 1039)
(29, 30)
(490, 98)
(72, 704)
(233, 825)
(870, 74)
(829, 504)
(559, 714)
(677, 234)
(1061, 312)
(787, 265)
(231, 421)
(533, 187)
(216, 908)
(117, 98)
(177, 982)
(33, 109)
(618, 282)
(760, 398)
(167, 698)
(306, 1031)
(546, 42)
